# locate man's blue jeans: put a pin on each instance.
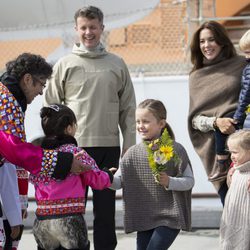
(160, 238)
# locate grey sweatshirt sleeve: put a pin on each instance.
(183, 183)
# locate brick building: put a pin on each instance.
(156, 45)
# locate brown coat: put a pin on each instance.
(214, 91)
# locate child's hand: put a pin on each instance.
(113, 170)
(163, 179)
(15, 231)
(229, 176)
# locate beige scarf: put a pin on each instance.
(214, 91)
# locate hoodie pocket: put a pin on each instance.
(112, 118)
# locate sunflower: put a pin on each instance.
(168, 151)
(160, 152)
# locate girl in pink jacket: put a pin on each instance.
(59, 222)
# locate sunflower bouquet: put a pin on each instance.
(160, 152)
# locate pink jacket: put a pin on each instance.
(55, 198)
(20, 153)
(37, 161)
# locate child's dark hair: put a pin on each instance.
(159, 111)
(56, 118)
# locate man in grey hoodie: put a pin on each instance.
(97, 86)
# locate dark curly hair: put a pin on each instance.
(29, 63)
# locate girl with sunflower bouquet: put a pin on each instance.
(157, 179)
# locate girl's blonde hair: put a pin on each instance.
(244, 42)
(159, 111)
(242, 138)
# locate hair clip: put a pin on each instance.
(54, 107)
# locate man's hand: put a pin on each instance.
(77, 166)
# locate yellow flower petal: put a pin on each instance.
(167, 151)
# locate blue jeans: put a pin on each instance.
(160, 238)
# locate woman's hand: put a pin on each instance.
(77, 166)
(15, 231)
(226, 125)
(163, 179)
(24, 213)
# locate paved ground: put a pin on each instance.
(205, 239)
(206, 214)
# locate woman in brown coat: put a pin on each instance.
(214, 87)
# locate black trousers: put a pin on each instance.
(223, 192)
(9, 240)
(104, 201)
